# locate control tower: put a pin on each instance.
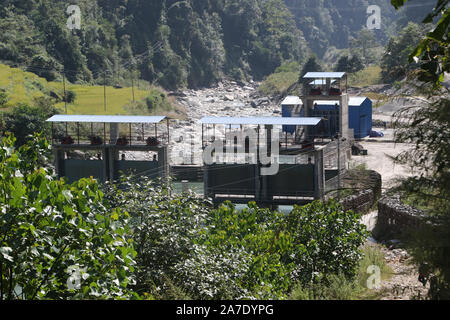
(327, 86)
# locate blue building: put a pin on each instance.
(359, 116)
(291, 107)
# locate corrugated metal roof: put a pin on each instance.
(324, 75)
(106, 119)
(292, 100)
(352, 101)
(261, 121)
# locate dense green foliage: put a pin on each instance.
(64, 241)
(192, 43)
(363, 46)
(187, 249)
(395, 63)
(49, 231)
(339, 287)
(336, 22)
(312, 65)
(350, 65)
(326, 240)
(427, 127)
(172, 43)
(23, 121)
(3, 98)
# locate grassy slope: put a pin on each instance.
(279, 83)
(20, 86)
(367, 77)
(23, 87)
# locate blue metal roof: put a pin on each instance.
(106, 119)
(262, 121)
(324, 75)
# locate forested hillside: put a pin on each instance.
(184, 43)
(171, 43)
(327, 23)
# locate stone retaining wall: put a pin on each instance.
(395, 218)
(363, 201)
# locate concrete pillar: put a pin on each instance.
(58, 156)
(163, 163)
(184, 186)
(113, 132)
(258, 195)
(206, 181)
(113, 155)
(309, 107)
(319, 175)
(269, 138)
(343, 116)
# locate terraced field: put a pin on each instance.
(25, 87)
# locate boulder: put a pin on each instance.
(228, 97)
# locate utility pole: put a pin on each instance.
(339, 167)
(65, 95)
(132, 85)
(104, 89)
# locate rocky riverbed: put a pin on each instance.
(403, 284)
(226, 99)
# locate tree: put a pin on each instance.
(351, 65)
(187, 249)
(166, 230)
(427, 127)
(58, 241)
(176, 43)
(433, 50)
(312, 65)
(364, 42)
(395, 62)
(24, 120)
(326, 240)
(43, 66)
(343, 64)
